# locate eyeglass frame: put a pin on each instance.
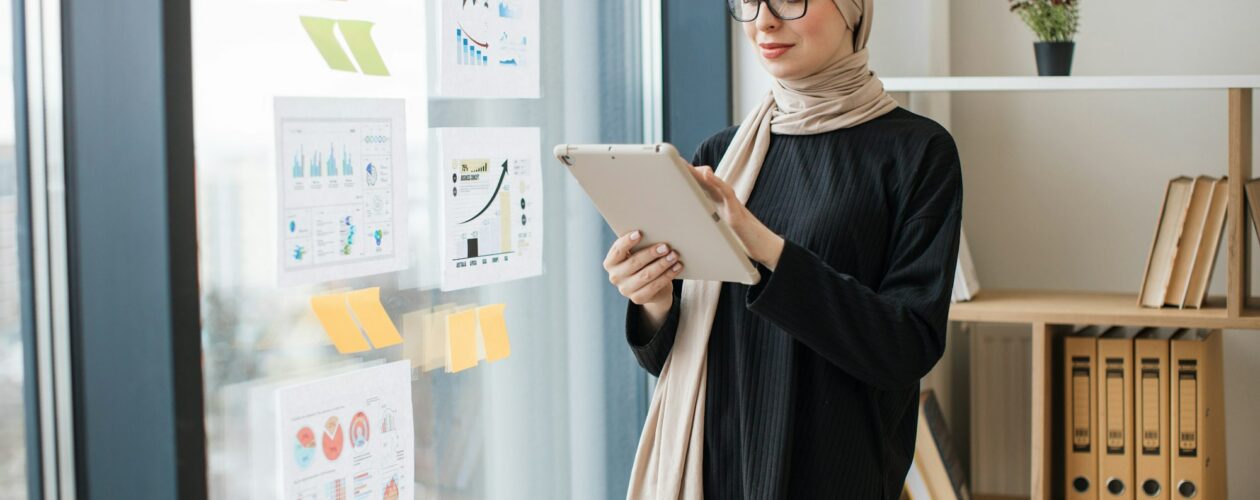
(730, 9)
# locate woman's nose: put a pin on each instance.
(766, 20)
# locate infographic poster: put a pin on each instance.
(489, 49)
(342, 190)
(348, 436)
(492, 205)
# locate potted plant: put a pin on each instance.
(1054, 22)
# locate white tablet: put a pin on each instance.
(650, 188)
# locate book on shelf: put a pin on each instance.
(1115, 413)
(916, 485)
(1151, 412)
(1187, 240)
(936, 462)
(1252, 189)
(1080, 454)
(966, 285)
(1207, 249)
(1197, 416)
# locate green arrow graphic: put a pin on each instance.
(358, 35)
(321, 32)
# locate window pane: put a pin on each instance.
(12, 426)
(533, 425)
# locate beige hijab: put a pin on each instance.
(669, 462)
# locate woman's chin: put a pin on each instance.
(783, 70)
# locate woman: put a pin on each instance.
(804, 385)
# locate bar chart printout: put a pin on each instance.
(492, 206)
(489, 49)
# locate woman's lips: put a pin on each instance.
(773, 50)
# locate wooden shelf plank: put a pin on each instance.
(984, 496)
(1072, 308)
(1059, 83)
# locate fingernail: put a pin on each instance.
(661, 249)
(677, 267)
(671, 257)
(635, 235)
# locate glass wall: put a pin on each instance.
(558, 417)
(12, 426)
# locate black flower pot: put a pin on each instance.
(1054, 58)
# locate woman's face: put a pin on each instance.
(795, 49)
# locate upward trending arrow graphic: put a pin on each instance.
(496, 194)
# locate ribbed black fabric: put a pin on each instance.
(813, 373)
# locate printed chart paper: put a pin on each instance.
(489, 49)
(342, 190)
(492, 205)
(348, 436)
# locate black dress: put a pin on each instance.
(813, 374)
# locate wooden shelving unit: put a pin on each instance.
(1069, 83)
(1053, 313)
(1026, 306)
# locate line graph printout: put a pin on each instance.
(341, 167)
(492, 205)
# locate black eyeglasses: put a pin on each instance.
(747, 10)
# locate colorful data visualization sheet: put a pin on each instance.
(342, 190)
(348, 436)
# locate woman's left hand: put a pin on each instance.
(763, 245)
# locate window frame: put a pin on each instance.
(131, 249)
(123, 108)
(26, 291)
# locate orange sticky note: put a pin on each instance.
(461, 345)
(494, 332)
(335, 316)
(366, 304)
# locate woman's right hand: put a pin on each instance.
(646, 277)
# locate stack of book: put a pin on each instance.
(1144, 414)
(1187, 237)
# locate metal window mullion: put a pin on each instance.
(653, 83)
(48, 245)
(38, 196)
(54, 141)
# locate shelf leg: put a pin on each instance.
(1042, 336)
(1239, 286)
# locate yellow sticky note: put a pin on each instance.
(494, 332)
(413, 336)
(335, 316)
(433, 351)
(366, 304)
(461, 333)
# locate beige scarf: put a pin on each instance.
(669, 462)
